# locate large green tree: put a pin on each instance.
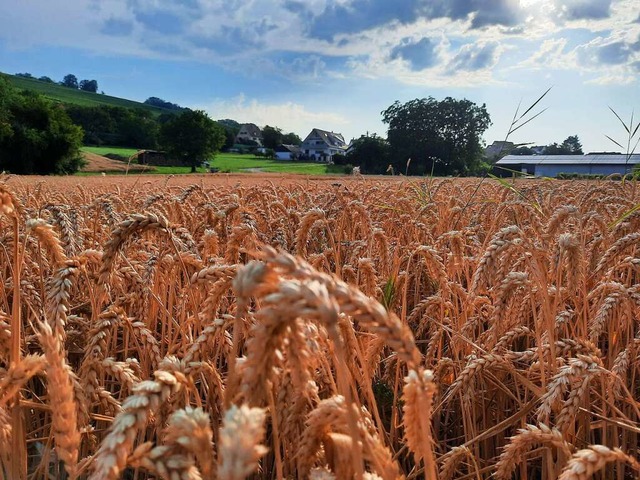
(231, 129)
(370, 153)
(36, 135)
(192, 137)
(291, 139)
(89, 86)
(70, 81)
(271, 137)
(572, 145)
(440, 136)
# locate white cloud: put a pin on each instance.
(616, 78)
(234, 33)
(551, 54)
(606, 59)
(461, 67)
(289, 116)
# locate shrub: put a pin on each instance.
(37, 136)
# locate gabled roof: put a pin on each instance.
(570, 160)
(252, 129)
(332, 139)
(288, 148)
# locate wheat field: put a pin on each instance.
(338, 329)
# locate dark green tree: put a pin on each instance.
(522, 151)
(231, 129)
(139, 129)
(46, 79)
(158, 102)
(553, 149)
(291, 139)
(271, 137)
(125, 127)
(229, 138)
(96, 122)
(89, 86)
(7, 97)
(439, 136)
(370, 153)
(192, 137)
(572, 145)
(227, 122)
(70, 81)
(36, 135)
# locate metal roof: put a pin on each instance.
(570, 160)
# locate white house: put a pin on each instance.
(321, 145)
(287, 152)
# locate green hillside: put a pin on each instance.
(62, 94)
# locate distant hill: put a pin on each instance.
(67, 95)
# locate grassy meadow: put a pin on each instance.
(238, 163)
(122, 151)
(72, 96)
(233, 163)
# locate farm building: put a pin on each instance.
(553, 165)
(155, 158)
(287, 152)
(321, 145)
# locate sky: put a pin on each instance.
(337, 64)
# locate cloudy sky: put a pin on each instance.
(336, 64)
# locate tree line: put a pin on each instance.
(569, 146)
(69, 81)
(43, 137)
(425, 136)
(36, 135)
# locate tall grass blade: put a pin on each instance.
(534, 104)
(532, 118)
(622, 122)
(614, 141)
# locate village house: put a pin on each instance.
(287, 152)
(249, 132)
(321, 145)
(498, 149)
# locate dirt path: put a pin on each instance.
(98, 163)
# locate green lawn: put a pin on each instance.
(76, 97)
(232, 163)
(123, 152)
(235, 162)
